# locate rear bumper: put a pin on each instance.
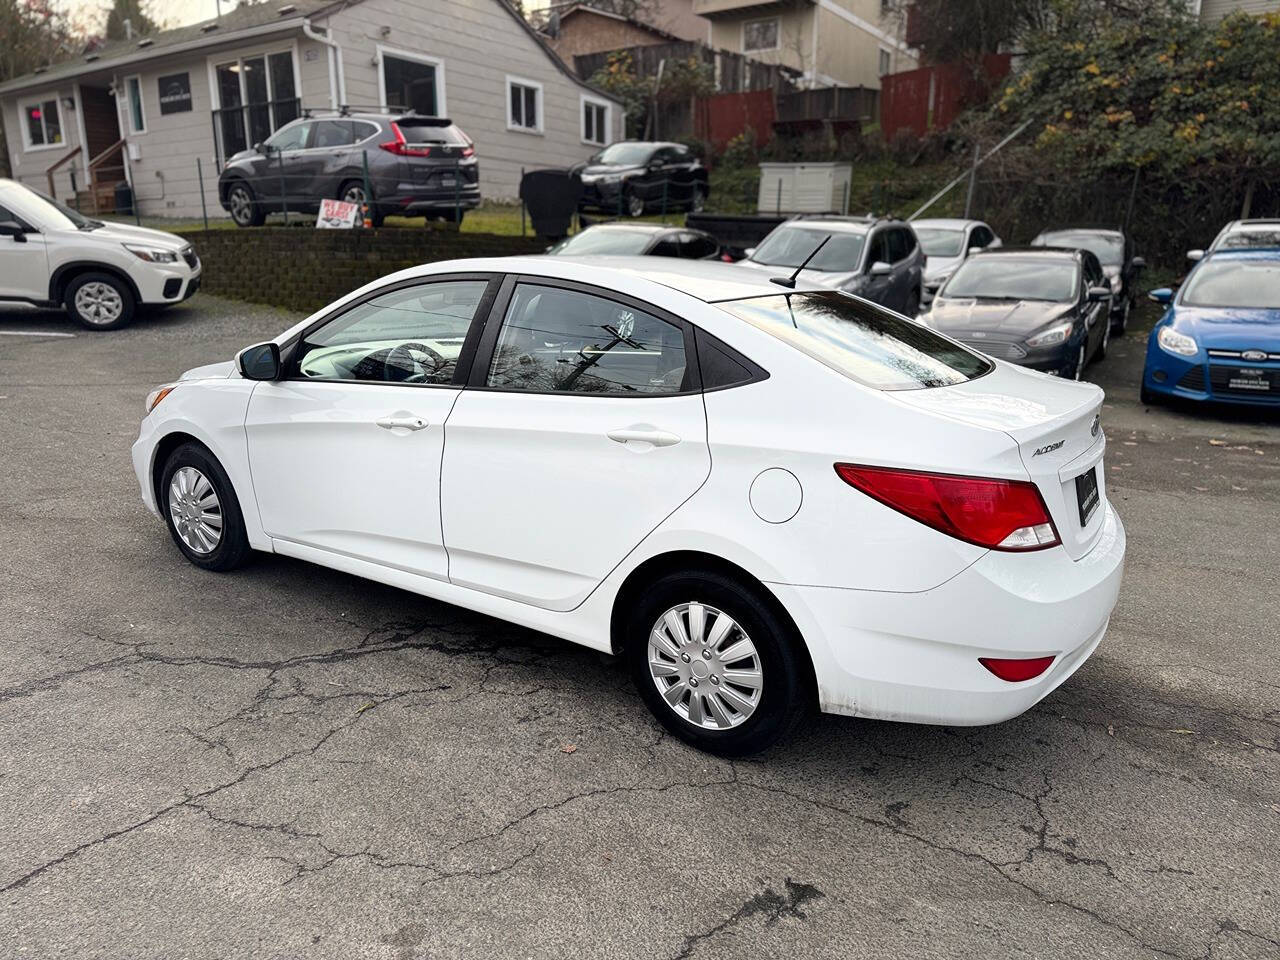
(411, 200)
(914, 656)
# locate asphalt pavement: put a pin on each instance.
(291, 762)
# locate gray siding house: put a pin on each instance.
(143, 110)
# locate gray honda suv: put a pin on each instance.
(417, 166)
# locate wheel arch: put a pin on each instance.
(225, 185)
(696, 561)
(67, 272)
(160, 456)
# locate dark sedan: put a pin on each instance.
(1114, 250)
(633, 177)
(417, 166)
(639, 239)
(1044, 308)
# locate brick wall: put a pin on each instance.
(303, 269)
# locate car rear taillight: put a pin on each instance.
(400, 147)
(998, 514)
(1015, 671)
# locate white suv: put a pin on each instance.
(51, 255)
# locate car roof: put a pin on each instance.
(711, 281)
(945, 223)
(1049, 253)
(834, 224)
(624, 226)
(1254, 222)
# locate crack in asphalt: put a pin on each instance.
(774, 906)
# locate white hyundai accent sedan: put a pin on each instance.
(762, 497)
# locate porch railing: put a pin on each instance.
(238, 128)
(102, 169)
(62, 161)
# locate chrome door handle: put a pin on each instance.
(407, 423)
(659, 438)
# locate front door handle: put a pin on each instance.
(405, 423)
(659, 438)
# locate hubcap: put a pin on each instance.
(195, 510)
(240, 205)
(99, 302)
(705, 666)
(354, 195)
(635, 206)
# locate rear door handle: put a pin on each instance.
(659, 438)
(406, 423)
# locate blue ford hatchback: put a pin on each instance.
(1220, 338)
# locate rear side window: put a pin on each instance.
(722, 366)
(666, 247)
(563, 341)
(860, 340)
(695, 246)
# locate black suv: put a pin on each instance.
(418, 166)
(633, 177)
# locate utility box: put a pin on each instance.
(804, 188)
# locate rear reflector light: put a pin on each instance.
(400, 147)
(997, 514)
(1015, 671)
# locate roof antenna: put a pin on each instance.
(790, 282)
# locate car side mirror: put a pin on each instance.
(12, 228)
(260, 362)
(995, 244)
(749, 252)
(1098, 294)
(1195, 254)
(1161, 295)
(263, 148)
(973, 250)
(1137, 263)
(880, 269)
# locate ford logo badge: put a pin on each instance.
(1254, 355)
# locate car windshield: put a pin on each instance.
(1249, 284)
(861, 340)
(791, 246)
(1252, 237)
(616, 241)
(941, 242)
(55, 214)
(624, 154)
(1107, 247)
(1013, 278)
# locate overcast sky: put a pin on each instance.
(174, 13)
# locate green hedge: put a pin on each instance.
(303, 269)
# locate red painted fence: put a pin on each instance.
(722, 117)
(932, 97)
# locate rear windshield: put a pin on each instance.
(791, 246)
(1107, 247)
(941, 242)
(1251, 284)
(864, 342)
(619, 242)
(1011, 278)
(450, 136)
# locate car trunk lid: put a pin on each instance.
(1057, 428)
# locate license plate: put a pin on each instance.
(1250, 379)
(448, 181)
(1087, 494)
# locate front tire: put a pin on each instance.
(202, 511)
(353, 192)
(634, 203)
(99, 301)
(1106, 341)
(717, 666)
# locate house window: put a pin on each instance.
(411, 82)
(885, 65)
(595, 121)
(42, 126)
(256, 96)
(524, 105)
(760, 35)
(133, 96)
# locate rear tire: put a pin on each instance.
(634, 204)
(751, 682)
(201, 510)
(1120, 322)
(1106, 341)
(913, 305)
(353, 192)
(99, 301)
(245, 211)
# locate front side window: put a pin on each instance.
(860, 340)
(411, 85)
(137, 119)
(899, 245)
(1014, 278)
(294, 137)
(411, 335)
(524, 106)
(1244, 284)
(595, 122)
(790, 246)
(43, 123)
(563, 341)
(761, 34)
